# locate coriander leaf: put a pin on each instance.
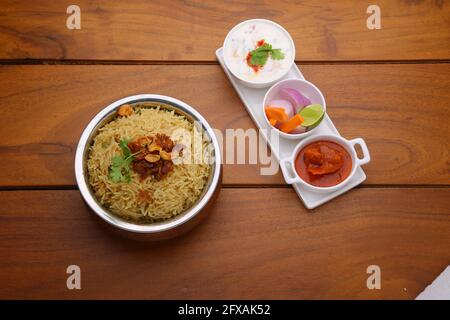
(127, 169)
(277, 54)
(123, 144)
(115, 171)
(259, 59)
(264, 47)
(117, 161)
(115, 174)
(128, 161)
(119, 170)
(260, 55)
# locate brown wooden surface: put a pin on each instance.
(403, 112)
(389, 86)
(256, 244)
(193, 30)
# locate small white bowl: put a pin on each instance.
(257, 84)
(304, 87)
(349, 145)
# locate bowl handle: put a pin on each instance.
(284, 169)
(366, 155)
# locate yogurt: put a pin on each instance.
(248, 36)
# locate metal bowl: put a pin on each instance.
(158, 230)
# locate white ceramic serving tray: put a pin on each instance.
(252, 99)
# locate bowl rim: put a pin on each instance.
(254, 83)
(110, 218)
(292, 136)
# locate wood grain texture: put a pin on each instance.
(402, 111)
(262, 239)
(193, 30)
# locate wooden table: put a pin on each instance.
(389, 86)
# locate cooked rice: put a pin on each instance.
(175, 193)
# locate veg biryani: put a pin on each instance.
(142, 167)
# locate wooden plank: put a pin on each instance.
(193, 30)
(401, 110)
(263, 239)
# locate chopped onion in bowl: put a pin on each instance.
(286, 105)
(298, 100)
(299, 129)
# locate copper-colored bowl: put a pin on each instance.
(158, 230)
